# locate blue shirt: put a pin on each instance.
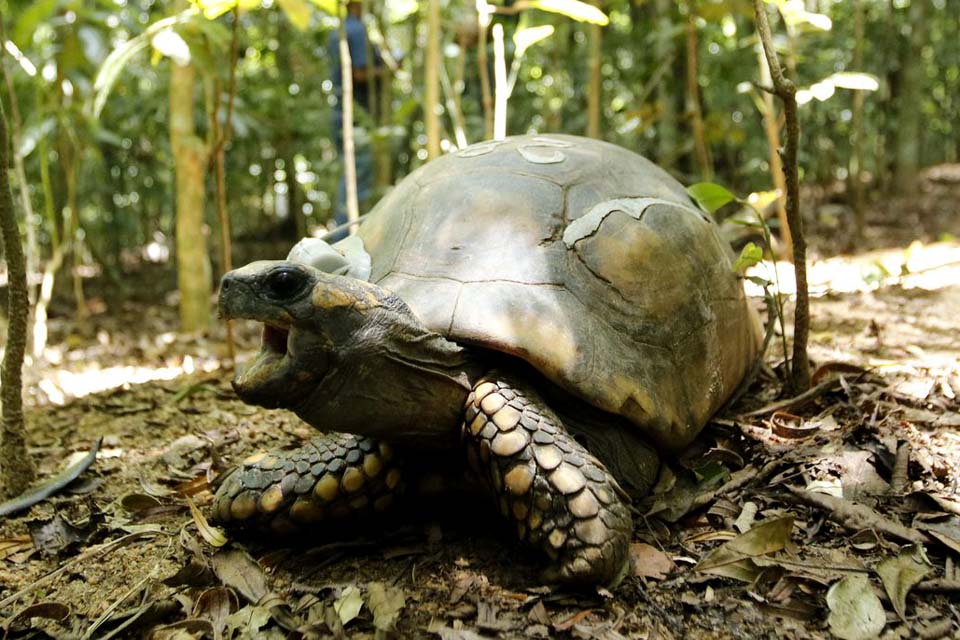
(357, 43)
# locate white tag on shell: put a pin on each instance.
(346, 258)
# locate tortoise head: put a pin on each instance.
(339, 351)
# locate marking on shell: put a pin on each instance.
(480, 149)
(541, 154)
(587, 224)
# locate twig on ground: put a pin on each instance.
(856, 517)
(796, 401)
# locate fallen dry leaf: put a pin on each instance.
(901, 573)
(238, 570)
(855, 610)
(385, 603)
(732, 559)
(348, 605)
(650, 562)
(214, 536)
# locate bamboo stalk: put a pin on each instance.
(501, 89)
(349, 151)
(483, 24)
(431, 74)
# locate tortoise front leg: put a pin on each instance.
(560, 497)
(334, 476)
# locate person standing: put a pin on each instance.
(357, 41)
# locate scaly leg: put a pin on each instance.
(560, 497)
(334, 476)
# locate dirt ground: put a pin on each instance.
(833, 515)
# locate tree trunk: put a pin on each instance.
(799, 378)
(909, 133)
(856, 126)
(383, 144)
(702, 153)
(595, 83)
(16, 466)
(771, 127)
(190, 156)
(431, 73)
(16, 126)
(667, 127)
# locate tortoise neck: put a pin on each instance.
(407, 389)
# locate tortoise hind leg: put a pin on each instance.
(560, 497)
(334, 476)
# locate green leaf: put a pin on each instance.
(213, 9)
(25, 26)
(579, 11)
(710, 196)
(750, 255)
(124, 52)
(330, 7)
(523, 39)
(297, 12)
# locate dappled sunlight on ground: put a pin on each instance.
(62, 384)
(919, 266)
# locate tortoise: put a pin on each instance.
(556, 308)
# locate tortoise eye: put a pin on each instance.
(284, 283)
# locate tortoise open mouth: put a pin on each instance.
(275, 339)
(272, 361)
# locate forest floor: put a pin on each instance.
(838, 512)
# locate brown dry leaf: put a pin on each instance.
(49, 610)
(788, 425)
(733, 559)
(216, 605)
(248, 621)
(348, 605)
(855, 610)
(238, 570)
(57, 534)
(650, 562)
(947, 532)
(214, 536)
(189, 628)
(385, 603)
(138, 502)
(15, 544)
(900, 574)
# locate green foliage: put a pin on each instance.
(574, 9)
(710, 196)
(750, 255)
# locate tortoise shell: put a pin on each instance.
(582, 258)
